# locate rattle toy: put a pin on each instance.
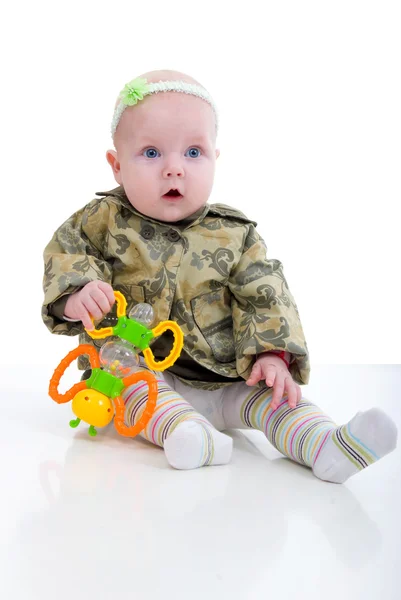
(133, 329)
(96, 400)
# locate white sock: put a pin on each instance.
(193, 445)
(348, 449)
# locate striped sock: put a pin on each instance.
(195, 444)
(311, 438)
(364, 440)
(188, 439)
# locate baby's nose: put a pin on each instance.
(173, 172)
(173, 168)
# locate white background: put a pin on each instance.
(309, 99)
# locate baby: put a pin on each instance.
(156, 239)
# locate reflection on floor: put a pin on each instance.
(108, 517)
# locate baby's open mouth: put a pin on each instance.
(173, 194)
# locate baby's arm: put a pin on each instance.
(265, 315)
(75, 257)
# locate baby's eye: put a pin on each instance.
(151, 153)
(193, 152)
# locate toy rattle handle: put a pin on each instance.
(175, 350)
(150, 405)
(60, 370)
(98, 334)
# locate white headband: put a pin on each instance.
(138, 88)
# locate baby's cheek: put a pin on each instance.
(144, 186)
(140, 187)
(203, 181)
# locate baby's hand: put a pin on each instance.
(273, 370)
(94, 301)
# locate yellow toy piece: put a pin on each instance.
(175, 351)
(93, 407)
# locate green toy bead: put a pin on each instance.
(106, 383)
(130, 330)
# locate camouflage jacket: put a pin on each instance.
(209, 274)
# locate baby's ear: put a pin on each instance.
(217, 154)
(112, 159)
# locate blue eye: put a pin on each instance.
(151, 153)
(193, 152)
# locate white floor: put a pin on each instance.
(108, 518)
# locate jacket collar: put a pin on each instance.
(186, 223)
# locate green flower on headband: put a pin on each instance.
(133, 91)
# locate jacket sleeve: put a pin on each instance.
(73, 258)
(265, 315)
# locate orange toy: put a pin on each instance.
(96, 400)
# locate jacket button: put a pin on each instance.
(147, 232)
(173, 235)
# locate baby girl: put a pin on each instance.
(156, 239)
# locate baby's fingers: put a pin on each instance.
(277, 391)
(102, 301)
(91, 306)
(108, 291)
(85, 318)
(270, 375)
(292, 392)
(256, 375)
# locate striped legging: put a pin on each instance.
(298, 433)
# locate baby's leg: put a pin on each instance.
(189, 440)
(308, 436)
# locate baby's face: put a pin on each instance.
(166, 142)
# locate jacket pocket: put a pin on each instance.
(212, 314)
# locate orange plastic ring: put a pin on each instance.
(150, 405)
(64, 364)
